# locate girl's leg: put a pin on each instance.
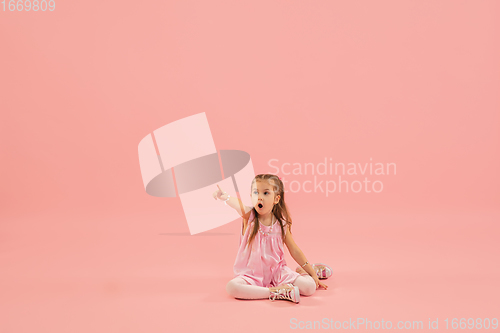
(306, 284)
(239, 288)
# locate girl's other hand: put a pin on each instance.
(319, 283)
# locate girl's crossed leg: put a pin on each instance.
(239, 288)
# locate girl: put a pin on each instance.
(260, 269)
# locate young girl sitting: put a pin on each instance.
(260, 270)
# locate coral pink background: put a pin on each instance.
(83, 248)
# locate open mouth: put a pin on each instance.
(260, 205)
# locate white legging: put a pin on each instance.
(239, 288)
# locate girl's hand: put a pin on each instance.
(319, 283)
(217, 194)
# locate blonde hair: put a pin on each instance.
(280, 210)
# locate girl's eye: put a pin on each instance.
(266, 192)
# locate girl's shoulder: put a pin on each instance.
(251, 217)
(286, 225)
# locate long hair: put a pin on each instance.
(280, 210)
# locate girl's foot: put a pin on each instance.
(287, 292)
(322, 271)
(301, 271)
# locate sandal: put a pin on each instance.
(322, 271)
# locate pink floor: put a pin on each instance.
(155, 277)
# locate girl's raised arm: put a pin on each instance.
(233, 202)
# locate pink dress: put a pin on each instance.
(263, 262)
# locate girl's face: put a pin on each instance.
(263, 197)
